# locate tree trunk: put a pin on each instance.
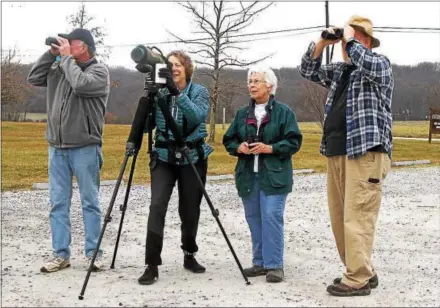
(214, 101)
(212, 115)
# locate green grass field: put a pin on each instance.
(24, 152)
(36, 116)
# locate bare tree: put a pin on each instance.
(434, 95)
(229, 93)
(314, 97)
(14, 90)
(221, 22)
(82, 19)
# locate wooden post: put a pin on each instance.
(434, 122)
(430, 126)
(224, 118)
(327, 24)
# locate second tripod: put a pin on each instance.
(146, 110)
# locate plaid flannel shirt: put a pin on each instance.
(369, 95)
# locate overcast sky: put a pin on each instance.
(27, 24)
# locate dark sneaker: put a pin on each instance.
(341, 289)
(373, 281)
(275, 275)
(191, 264)
(150, 275)
(255, 271)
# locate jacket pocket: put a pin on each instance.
(238, 171)
(277, 172)
(88, 125)
(241, 175)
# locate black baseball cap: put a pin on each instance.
(83, 35)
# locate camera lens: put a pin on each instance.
(138, 54)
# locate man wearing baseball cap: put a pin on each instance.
(357, 142)
(77, 92)
(82, 35)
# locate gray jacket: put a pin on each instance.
(77, 95)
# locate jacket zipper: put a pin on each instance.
(66, 97)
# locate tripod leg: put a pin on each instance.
(106, 220)
(123, 208)
(215, 213)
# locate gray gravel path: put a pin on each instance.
(406, 254)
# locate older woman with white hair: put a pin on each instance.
(264, 136)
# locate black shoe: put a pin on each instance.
(191, 264)
(150, 275)
(275, 275)
(255, 271)
(373, 281)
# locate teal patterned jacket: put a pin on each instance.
(193, 104)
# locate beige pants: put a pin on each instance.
(354, 190)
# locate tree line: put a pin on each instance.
(417, 88)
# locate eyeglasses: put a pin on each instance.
(255, 81)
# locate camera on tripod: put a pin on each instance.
(339, 33)
(149, 61)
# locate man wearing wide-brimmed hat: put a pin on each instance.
(357, 142)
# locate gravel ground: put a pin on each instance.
(406, 254)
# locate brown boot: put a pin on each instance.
(341, 289)
(373, 281)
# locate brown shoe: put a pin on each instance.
(373, 281)
(341, 289)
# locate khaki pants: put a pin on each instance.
(354, 190)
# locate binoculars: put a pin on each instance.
(253, 140)
(51, 40)
(339, 33)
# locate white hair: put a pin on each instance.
(267, 72)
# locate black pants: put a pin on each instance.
(163, 179)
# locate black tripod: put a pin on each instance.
(145, 109)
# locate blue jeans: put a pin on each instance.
(265, 217)
(85, 164)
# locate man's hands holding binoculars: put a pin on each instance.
(254, 148)
(347, 33)
(63, 47)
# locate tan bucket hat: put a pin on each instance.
(366, 26)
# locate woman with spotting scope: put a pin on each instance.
(189, 104)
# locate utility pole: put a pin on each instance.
(327, 24)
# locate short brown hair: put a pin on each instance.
(186, 62)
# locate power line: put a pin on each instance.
(297, 31)
(429, 30)
(407, 31)
(275, 37)
(407, 28)
(379, 29)
(209, 38)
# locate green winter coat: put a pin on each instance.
(278, 129)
